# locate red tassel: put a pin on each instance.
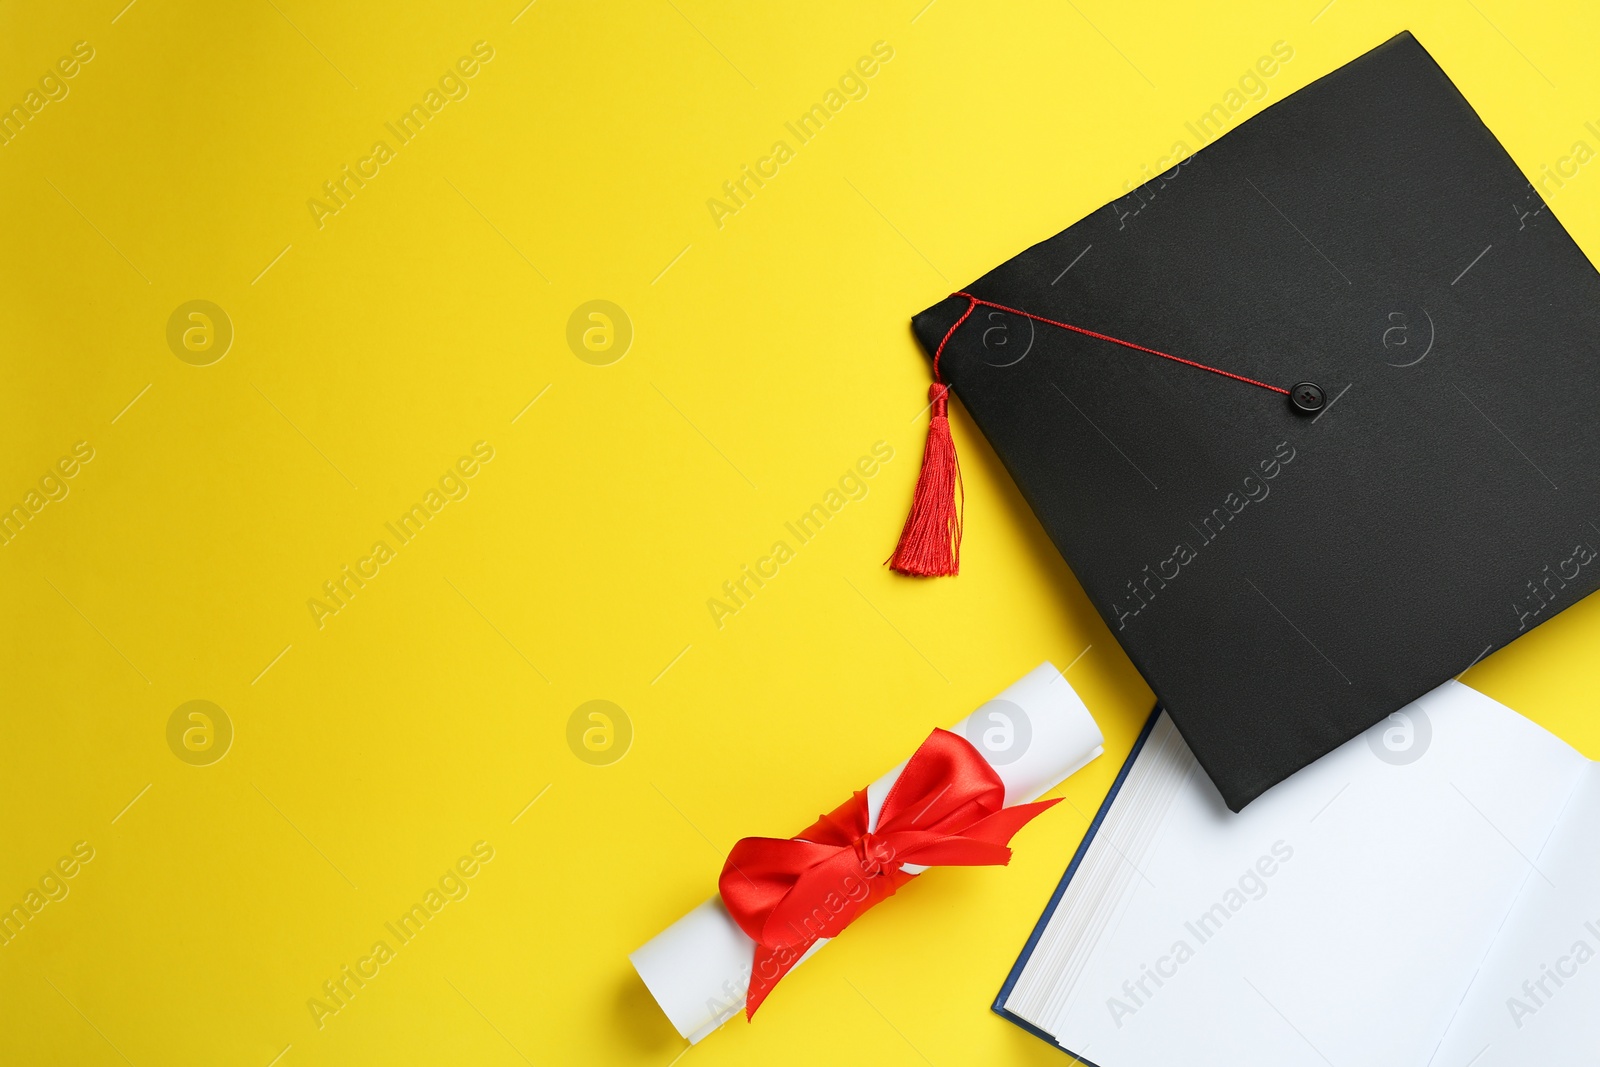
(930, 543)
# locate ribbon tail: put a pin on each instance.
(998, 828)
(960, 851)
(983, 844)
(766, 969)
(820, 906)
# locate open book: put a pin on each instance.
(1427, 895)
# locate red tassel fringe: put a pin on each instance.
(930, 543)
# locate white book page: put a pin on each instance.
(1340, 917)
(1536, 999)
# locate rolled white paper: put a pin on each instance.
(1035, 734)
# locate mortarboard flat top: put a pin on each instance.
(1286, 579)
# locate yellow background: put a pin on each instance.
(768, 355)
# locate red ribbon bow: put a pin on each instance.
(945, 809)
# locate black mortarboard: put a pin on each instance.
(1287, 564)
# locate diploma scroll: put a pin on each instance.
(1034, 735)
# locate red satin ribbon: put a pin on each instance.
(945, 809)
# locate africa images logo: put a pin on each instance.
(1000, 347)
(1001, 732)
(1402, 737)
(1251, 885)
(1408, 336)
(453, 85)
(1253, 489)
(737, 192)
(1549, 586)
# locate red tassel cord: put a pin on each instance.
(930, 542)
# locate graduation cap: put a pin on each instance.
(1311, 416)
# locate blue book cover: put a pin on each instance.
(999, 1006)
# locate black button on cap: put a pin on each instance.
(1307, 398)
